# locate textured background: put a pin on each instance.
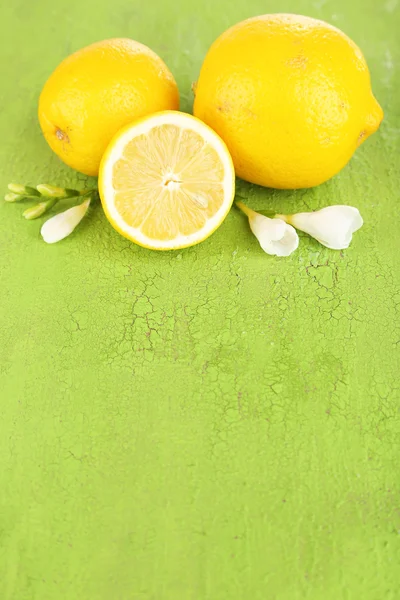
(210, 424)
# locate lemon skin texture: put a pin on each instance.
(96, 91)
(290, 96)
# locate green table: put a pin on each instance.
(210, 424)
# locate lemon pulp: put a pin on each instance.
(167, 181)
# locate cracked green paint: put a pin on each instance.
(210, 424)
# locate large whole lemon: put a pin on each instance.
(96, 91)
(291, 98)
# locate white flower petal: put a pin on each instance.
(288, 243)
(274, 235)
(60, 226)
(332, 226)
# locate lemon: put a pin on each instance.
(166, 181)
(98, 90)
(290, 96)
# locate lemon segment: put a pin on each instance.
(166, 181)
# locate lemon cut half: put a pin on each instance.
(166, 181)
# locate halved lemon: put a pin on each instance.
(166, 181)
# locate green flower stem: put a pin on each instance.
(18, 191)
(93, 192)
(265, 213)
(49, 196)
(247, 211)
(39, 209)
(25, 191)
(12, 197)
(50, 191)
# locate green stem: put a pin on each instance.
(93, 192)
(25, 191)
(12, 197)
(51, 191)
(49, 195)
(34, 212)
(247, 211)
(39, 209)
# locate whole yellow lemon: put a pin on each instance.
(290, 96)
(96, 91)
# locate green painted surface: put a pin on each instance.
(211, 424)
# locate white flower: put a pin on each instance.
(275, 236)
(332, 226)
(60, 226)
